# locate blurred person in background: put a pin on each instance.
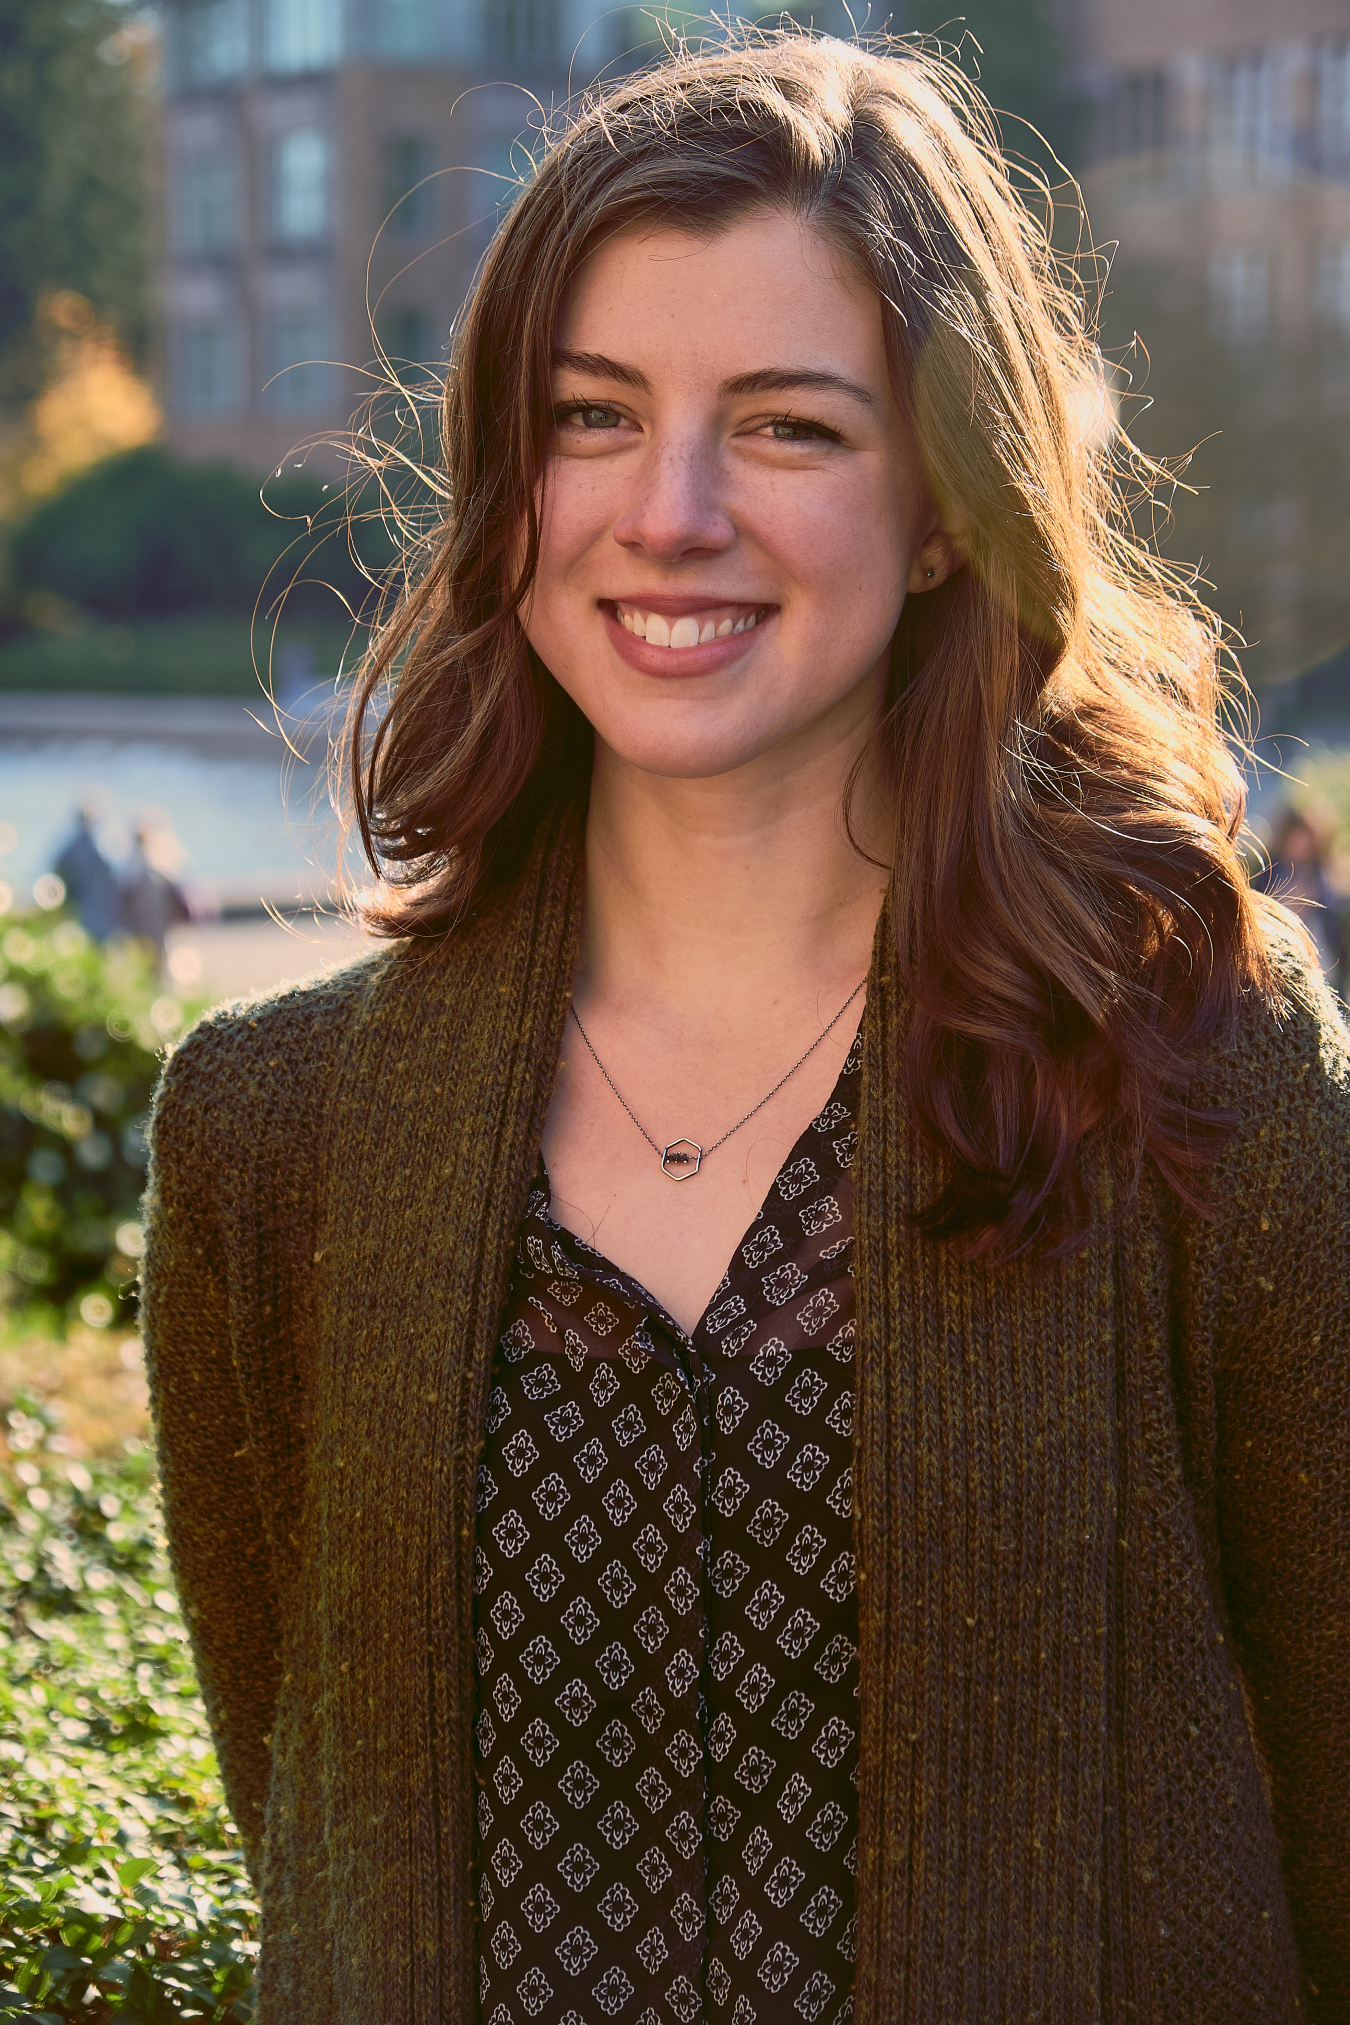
(87, 876)
(151, 899)
(1302, 852)
(745, 1411)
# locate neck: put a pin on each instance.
(746, 884)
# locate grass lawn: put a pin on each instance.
(91, 1384)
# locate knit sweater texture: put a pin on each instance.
(1102, 1506)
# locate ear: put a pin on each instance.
(940, 555)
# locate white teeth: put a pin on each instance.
(688, 631)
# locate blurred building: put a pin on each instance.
(1220, 163)
(332, 170)
(1221, 141)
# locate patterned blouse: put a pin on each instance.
(666, 1626)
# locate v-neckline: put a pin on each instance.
(633, 1287)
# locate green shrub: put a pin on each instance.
(142, 535)
(124, 1893)
(222, 656)
(81, 1032)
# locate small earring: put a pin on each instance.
(930, 573)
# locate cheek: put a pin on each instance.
(575, 513)
(850, 553)
(571, 523)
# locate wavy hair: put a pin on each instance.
(1070, 907)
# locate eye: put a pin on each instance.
(791, 429)
(588, 415)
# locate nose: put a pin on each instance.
(677, 510)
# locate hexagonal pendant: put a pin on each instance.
(682, 1159)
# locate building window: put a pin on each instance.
(507, 163)
(521, 31)
(410, 340)
(1239, 295)
(1333, 284)
(1246, 134)
(202, 203)
(299, 371)
(208, 40)
(204, 352)
(409, 198)
(1333, 107)
(1139, 113)
(302, 34)
(409, 28)
(300, 177)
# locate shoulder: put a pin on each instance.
(267, 1054)
(259, 1063)
(1281, 1078)
(1287, 1051)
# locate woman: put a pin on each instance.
(1301, 849)
(834, 1102)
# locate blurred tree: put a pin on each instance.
(93, 402)
(71, 168)
(1015, 51)
(1012, 48)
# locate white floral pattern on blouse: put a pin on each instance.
(666, 1626)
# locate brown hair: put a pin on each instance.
(1070, 909)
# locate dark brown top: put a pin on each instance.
(1100, 1510)
(667, 1624)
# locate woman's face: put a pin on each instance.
(735, 506)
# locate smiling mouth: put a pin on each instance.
(693, 629)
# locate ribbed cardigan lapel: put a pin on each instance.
(985, 1473)
(984, 1479)
(446, 1085)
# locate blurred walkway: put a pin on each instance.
(252, 814)
(225, 959)
(250, 808)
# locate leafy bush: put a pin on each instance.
(221, 656)
(124, 1893)
(142, 535)
(81, 1031)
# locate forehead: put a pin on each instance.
(765, 287)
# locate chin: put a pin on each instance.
(667, 765)
(670, 755)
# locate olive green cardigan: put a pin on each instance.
(1101, 1508)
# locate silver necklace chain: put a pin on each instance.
(682, 1158)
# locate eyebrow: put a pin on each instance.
(767, 380)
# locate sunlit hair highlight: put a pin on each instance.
(1071, 912)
